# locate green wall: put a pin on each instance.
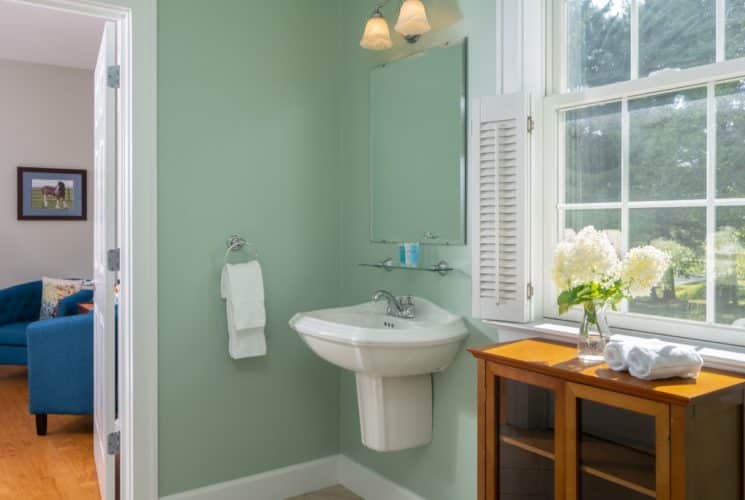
(263, 130)
(248, 142)
(446, 468)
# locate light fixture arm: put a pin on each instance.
(376, 10)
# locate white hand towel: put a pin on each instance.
(242, 287)
(653, 362)
(617, 350)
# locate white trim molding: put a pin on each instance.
(306, 477)
(369, 484)
(277, 484)
(136, 22)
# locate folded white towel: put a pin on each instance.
(653, 362)
(242, 287)
(617, 350)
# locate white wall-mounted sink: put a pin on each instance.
(393, 359)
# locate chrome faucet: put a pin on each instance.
(398, 307)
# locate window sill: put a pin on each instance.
(716, 356)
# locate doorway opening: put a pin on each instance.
(65, 78)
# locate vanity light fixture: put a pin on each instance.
(412, 20)
(376, 35)
(412, 24)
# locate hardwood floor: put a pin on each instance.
(56, 466)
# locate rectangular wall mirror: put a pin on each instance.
(418, 147)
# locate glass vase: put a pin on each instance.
(593, 333)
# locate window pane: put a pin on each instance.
(676, 34)
(668, 146)
(598, 42)
(731, 139)
(730, 265)
(681, 232)
(735, 33)
(609, 221)
(593, 154)
(602, 219)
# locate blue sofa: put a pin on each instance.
(20, 306)
(60, 367)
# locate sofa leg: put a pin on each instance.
(41, 424)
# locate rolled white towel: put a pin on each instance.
(653, 362)
(617, 350)
(615, 354)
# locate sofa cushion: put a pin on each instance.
(20, 303)
(13, 334)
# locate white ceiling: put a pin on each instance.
(47, 36)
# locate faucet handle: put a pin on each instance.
(408, 309)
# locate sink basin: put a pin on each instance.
(364, 339)
(392, 358)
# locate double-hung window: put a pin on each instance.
(645, 139)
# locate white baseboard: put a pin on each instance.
(279, 484)
(369, 484)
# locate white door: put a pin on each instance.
(104, 176)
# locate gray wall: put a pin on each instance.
(46, 120)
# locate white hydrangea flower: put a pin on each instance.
(588, 256)
(560, 273)
(642, 269)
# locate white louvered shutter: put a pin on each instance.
(499, 193)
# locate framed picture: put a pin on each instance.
(51, 194)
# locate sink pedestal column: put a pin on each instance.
(395, 412)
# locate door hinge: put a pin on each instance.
(113, 260)
(531, 124)
(112, 76)
(113, 443)
(530, 291)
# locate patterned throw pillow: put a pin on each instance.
(54, 290)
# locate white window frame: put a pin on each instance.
(557, 102)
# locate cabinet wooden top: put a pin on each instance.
(560, 361)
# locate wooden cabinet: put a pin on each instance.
(550, 427)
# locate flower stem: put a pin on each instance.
(591, 312)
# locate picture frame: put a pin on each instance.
(52, 194)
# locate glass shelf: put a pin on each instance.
(442, 268)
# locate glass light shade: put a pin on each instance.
(412, 19)
(376, 35)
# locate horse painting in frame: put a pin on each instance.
(57, 192)
(52, 194)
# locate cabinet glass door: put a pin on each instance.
(526, 436)
(617, 446)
